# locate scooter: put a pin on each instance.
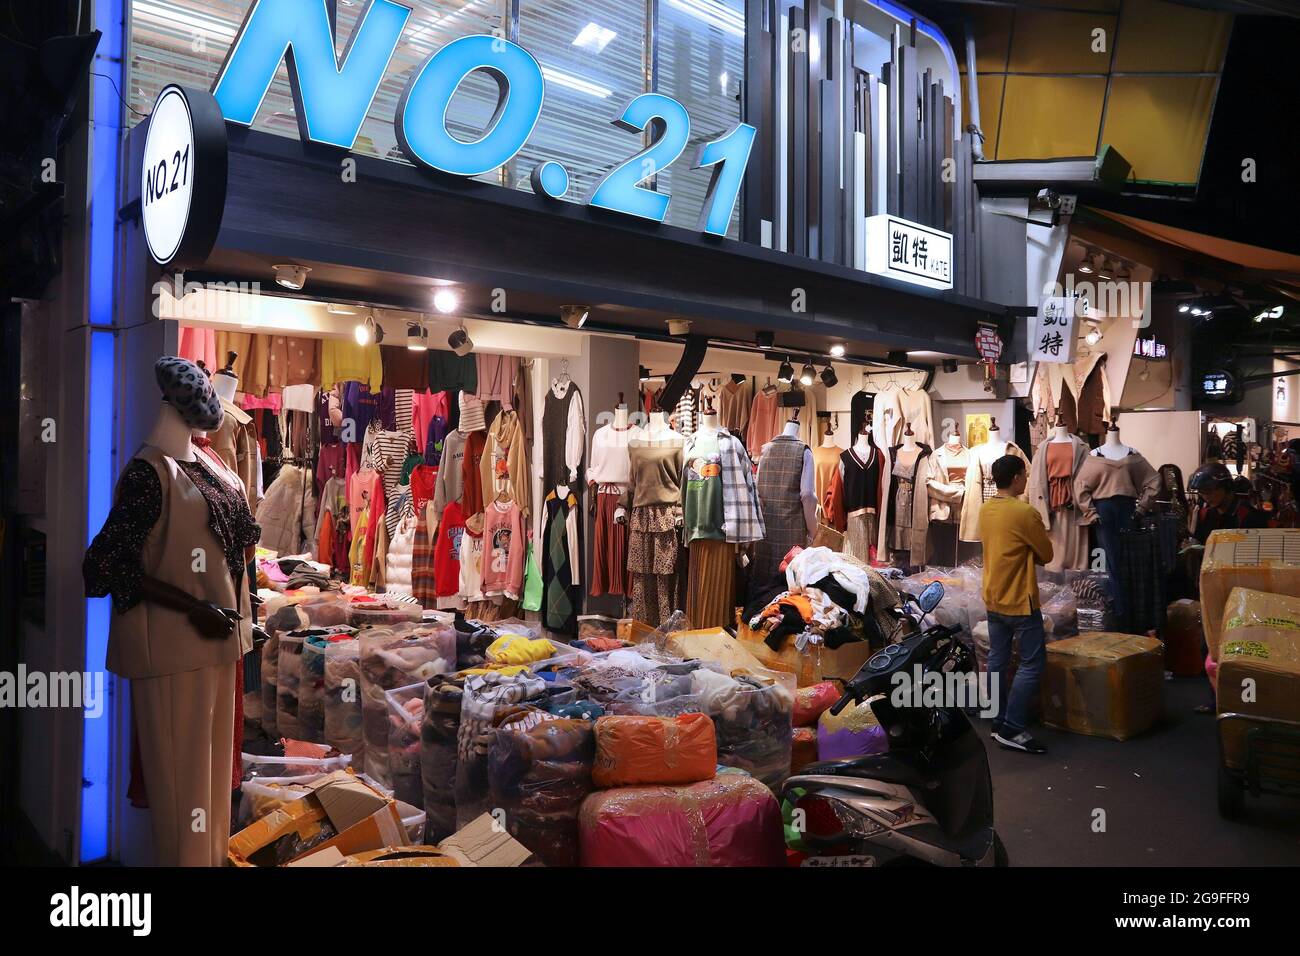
(928, 800)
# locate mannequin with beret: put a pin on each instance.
(172, 555)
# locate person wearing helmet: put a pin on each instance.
(1221, 505)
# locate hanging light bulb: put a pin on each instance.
(837, 350)
(446, 301)
(362, 333)
(1093, 337)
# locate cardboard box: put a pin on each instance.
(816, 662)
(362, 818)
(634, 631)
(1104, 684)
(1266, 656)
(482, 843)
(1261, 559)
(715, 644)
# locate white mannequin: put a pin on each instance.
(909, 441)
(1060, 434)
(828, 440)
(620, 417)
(996, 446)
(708, 424)
(954, 442)
(658, 428)
(171, 435)
(791, 429)
(225, 385)
(862, 447)
(1112, 447)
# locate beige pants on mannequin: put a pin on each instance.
(186, 723)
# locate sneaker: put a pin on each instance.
(1018, 741)
(997, 728)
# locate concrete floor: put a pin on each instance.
(1157, 791)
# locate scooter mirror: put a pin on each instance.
(931, 596)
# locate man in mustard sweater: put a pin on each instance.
(1014, 542)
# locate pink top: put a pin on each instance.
(504, 550)
(426, 405)
(496, 379)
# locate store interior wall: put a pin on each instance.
(1165, 437)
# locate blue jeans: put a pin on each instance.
(1013, 705)
(1115, 517)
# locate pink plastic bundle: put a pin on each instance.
(731, 820)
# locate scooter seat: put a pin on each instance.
(872, 766)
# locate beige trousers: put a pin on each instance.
(186, 724)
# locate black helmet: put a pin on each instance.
(1241, 486)
(1212, 475)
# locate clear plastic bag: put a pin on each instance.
(392, 658)
(257, 765)
(270, 662)
(343, 720)
(438, 730)
(288, 679)
(311, 689)
(405, 714)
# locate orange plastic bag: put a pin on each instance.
(631, 751)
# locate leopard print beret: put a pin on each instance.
(187, 388)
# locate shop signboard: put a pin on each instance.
(183, 176)
(332, 95)
(906, 250)
(1054, 331)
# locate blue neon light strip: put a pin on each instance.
(97, 733)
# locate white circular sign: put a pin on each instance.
(167, 179)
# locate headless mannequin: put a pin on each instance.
(862, 447)
(791, 429)
(996, 446)
(708, 427)
(620, 417)
(657, 431)
(954, 443)
(828, 440)
(171, 435)
(1060, 434)
(1112, 447)
(226, 383)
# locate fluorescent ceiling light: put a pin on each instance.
(185, 18)
(594, 37)
(713, 13)
(575, 83)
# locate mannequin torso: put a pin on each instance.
(1060, 434)
(1112, 447)
(995, 447)
(171, 435)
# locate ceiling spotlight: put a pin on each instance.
(1093, 337)
(446, 301)
(291, 276)
(333, 308)
(765, 340)
(837, 350)
(574, 316)
(679, 326)
(417, 337)
(829, 378)
(950, 366)
(1184, 307)
(1104, 270)
(460, 342)
(808, 375)
(785, 375)
(1085, 267)
(368, 332)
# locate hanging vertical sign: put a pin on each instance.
(1054, 330)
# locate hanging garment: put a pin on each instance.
(735, 400)
(702, 511)
(979, 479)
(344, 361)
(449, 372)
(252, 358)
(399, 560)
(388, 453)
(496, 379)
(826, 462)
(685, 416)
(471, 561)
(654, 561)
(504, 550)
(1093, 408)
(764, 420)
(359, 406)
(564, 437)
(451, 471)
(909, 505)
(471, 480)
(887, 417)
(711, 590)
(1051, 492)
(446, 556)
(609, 546)
(561, 562)
(947, 482)
(424, 583)
(404, 369)
(288, 513)
(199, 345)
(234, 443)
(784, 475)
(914, 403)
(426, 407)
(504, 465)
(860, 404)
(293, 361)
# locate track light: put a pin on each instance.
(950, 366)
(837, 350)
(785, 374)
(446, 301)
(1184, 307)
(829, 378)
(679, 326)
(574, 316)
(460, 342)
(291, 276)
(1093, 337)
(333, 308)
(368, 332)
(417, 337)
(765, 340)
(808, 375)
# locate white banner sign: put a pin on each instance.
(909, 251)
(1054, 330)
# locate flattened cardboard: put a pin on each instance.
(479, 843)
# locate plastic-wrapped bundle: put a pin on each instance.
(378, 612)
(392, 658)
(287, 680)
(343, 700)
(252, 664)
(1060, 612)
(262, 795)
(539, 772)
(731, 820)
(405, 712)
(311, 688)
(1092, 599)
(485, 696)
(438, 730)
(853, 732)
(270, 662)
(631, 751)
(259, 765)
(753, 715)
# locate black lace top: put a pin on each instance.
(113, 561)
